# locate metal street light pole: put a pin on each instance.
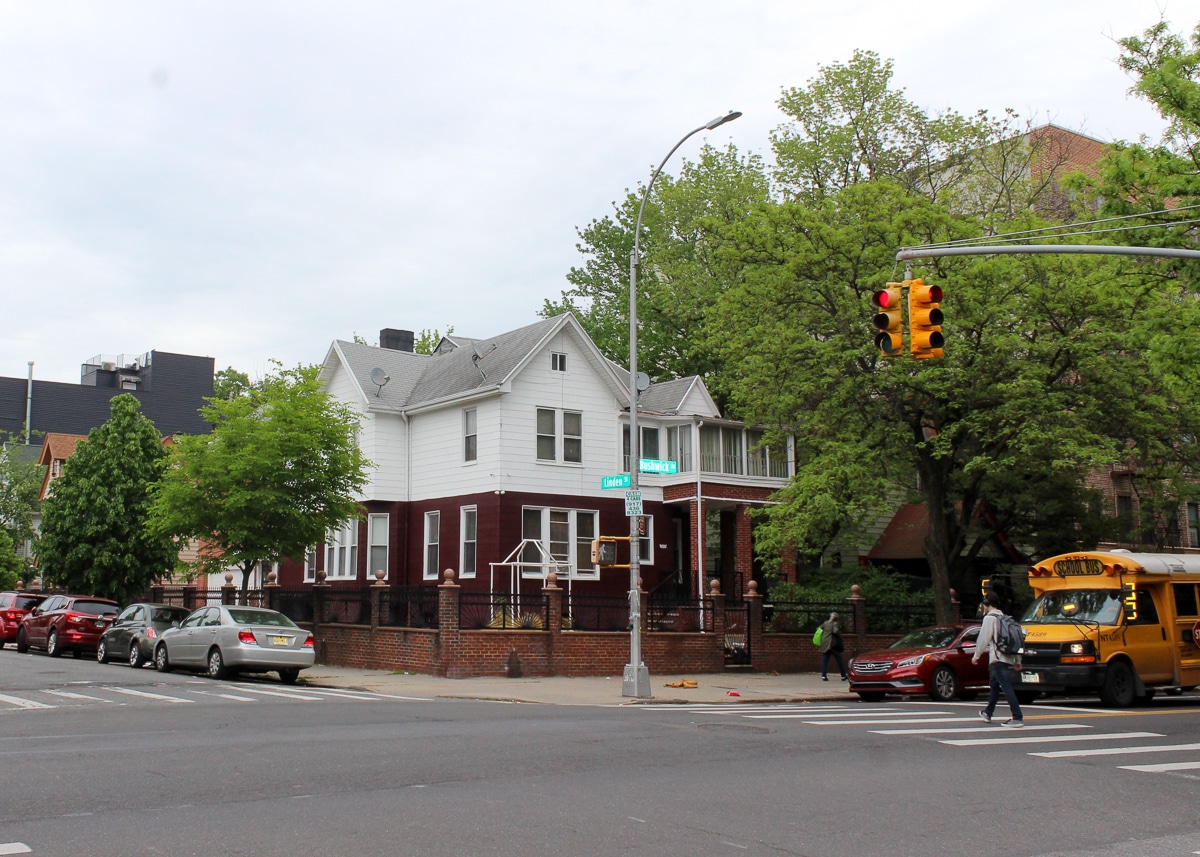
(636, 681)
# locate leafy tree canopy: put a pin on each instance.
(11, 565)
(95, 538)
(20, 484)
(279, 468)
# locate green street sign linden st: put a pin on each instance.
(621, 480)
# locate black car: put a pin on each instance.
(134, 633)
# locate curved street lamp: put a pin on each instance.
(636, 680)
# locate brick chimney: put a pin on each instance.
(396, 340)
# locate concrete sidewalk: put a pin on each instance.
(729, 688)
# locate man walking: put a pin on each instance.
(1000, 665)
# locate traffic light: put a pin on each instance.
(889, 320)
(604, 551)
(925, 320)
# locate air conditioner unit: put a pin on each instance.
(108, 366)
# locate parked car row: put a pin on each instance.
(220, 640)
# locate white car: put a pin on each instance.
(225, 640)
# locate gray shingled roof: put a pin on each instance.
(665, 397)
(417, 379)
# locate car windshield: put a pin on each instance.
(926, 638)
(94, 608)
(1095, 605)
(261, 617)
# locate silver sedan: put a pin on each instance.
(226, 640)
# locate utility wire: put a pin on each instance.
(1060, 231)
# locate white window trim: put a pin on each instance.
(433, 527)
(648, 539)
(341, 552)
(588, 572)
(372, 544)
(463, 572)
(467, 434)
(560, 437)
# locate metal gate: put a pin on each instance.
(737, 635)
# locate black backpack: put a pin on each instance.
(1010, 636)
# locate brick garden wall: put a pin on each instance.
(455, 653)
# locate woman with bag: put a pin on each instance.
(831, 644)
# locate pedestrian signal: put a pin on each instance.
(925, 320)
(604, 551)
(889, 320)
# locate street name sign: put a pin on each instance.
(621, 480)
(657, 465)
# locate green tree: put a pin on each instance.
(280, 467)
(95, 538)
(20, 484)
(676, 281)
(229, 383)
(11, 565)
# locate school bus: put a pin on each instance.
(1116, 623)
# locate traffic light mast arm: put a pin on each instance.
(909, 253)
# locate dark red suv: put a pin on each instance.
(13, 608)
(63, 622)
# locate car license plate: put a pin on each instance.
(1031, 678)
(279, 641)
(100, 623)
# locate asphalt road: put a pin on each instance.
(104, 760)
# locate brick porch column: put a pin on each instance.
(450, 646)
(743, 535)
(754, 617)
(554, 596)
(716, 602)
(858, 609)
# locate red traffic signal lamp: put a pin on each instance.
(889, 320)
(925, 320)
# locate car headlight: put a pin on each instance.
(912, 662)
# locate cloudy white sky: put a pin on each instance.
(250, 180)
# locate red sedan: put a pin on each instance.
(934, 661)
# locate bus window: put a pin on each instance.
(1144, 612)
(1185, 599)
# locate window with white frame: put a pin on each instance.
(433, 535)
(565, 534)
(559, 435)
(646, 540)
(341, 552)
(470, 435)
(468, 522)
(679, 446)
(310, 564)
(377, 551)
(649, 445)
(558, 361)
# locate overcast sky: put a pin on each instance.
(252, 180)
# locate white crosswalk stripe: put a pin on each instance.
(174, 695)
(1015, 738)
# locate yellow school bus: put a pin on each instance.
(1116, 623)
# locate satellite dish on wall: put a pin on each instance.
(643, 382)
(379, 378)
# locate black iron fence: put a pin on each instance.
(513, 612)
(348, 606)
(804, 617)
(596, 613)
(679, 615)
(409, 607)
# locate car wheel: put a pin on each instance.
(216, 664)
(22, 642)
(102, 652)
(161, 662)
(871, 695)
(1118, 690)
(53, 649)
(289, 675)
(135, 655)
(944, 686)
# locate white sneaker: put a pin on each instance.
(985, 717)
(1014, 724)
